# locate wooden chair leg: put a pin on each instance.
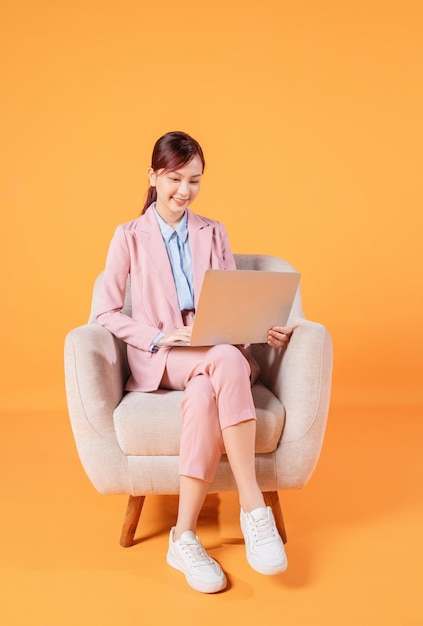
(271, 499)
(130, 523)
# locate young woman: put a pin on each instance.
(166, 252)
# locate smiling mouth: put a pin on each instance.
(180, 200)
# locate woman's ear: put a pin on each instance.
(151, 176)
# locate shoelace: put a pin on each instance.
(196, 553)
(263, 529)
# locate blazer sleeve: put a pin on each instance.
(112, 300)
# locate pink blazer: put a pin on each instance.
(137, 249)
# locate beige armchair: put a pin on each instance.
(128, 443)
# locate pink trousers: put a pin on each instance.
(217, 387)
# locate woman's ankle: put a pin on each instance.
(178, 532)
(251, 503)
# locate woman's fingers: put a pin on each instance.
(279, 336)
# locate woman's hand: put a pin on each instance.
(279, 336)
(179, 334)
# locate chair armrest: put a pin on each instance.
(300, 377)
(305, 379)
(95, 374)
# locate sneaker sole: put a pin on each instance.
(195, 584)
(267, 570)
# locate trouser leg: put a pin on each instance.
(201, 438)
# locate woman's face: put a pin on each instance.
(176, 190)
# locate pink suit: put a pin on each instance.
(216, 380)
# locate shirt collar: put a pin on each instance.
(167, 231)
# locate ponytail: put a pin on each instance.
(151, 197)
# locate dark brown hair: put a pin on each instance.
(172, 151)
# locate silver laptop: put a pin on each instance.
(239, 306)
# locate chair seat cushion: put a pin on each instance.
(149, 424)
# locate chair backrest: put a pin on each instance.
(259, 262)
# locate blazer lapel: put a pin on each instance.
(154, 246)
(200, 237)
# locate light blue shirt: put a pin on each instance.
(179, 252)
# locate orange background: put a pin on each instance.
(310, 116)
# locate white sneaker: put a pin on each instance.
(265, 550)
(188, 555)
